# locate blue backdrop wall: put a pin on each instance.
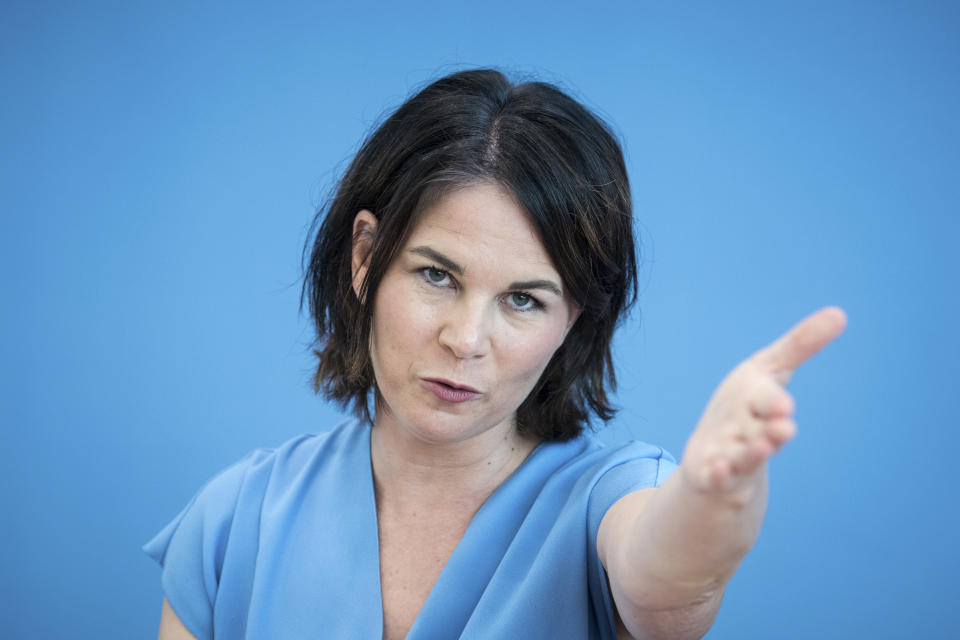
(161, 162)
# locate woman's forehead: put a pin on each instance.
(481, 223)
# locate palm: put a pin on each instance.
(750, 415)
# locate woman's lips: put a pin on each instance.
(450, 391)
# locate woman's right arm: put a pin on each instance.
(170, 626)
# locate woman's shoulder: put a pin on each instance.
(349, 437)
(609, 471)
(585, 472)
(295, 460)
(596, 459)
(220, 528)
(264, 475)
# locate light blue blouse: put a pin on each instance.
(283, 544)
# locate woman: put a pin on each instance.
(466, 280)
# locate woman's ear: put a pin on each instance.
(364, 229)
(574, 316)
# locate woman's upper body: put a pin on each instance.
(290, 543)
(469, 274)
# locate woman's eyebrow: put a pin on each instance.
(436, 256)
(538, 284)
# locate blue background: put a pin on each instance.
(161, 163)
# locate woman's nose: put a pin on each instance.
(465, 329)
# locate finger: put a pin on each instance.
(780, 431)
(760, 450)
(752, 456)
(770, 400)
(737, 455)
(734, 451)
(807, 337)
(719, 472)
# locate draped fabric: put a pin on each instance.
(283, 544)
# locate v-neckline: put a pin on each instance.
(415, 627)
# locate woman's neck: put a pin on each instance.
(410, 471)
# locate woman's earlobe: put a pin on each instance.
(364, 230)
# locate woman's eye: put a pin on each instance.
(523, 301)
(435, 276)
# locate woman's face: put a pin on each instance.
(466, 318)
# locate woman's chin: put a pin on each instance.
(444, 425)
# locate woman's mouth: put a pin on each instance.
(450, 391)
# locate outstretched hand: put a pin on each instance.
(750, 415)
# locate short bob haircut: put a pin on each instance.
(564, 167)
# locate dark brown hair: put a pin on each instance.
(565, 168)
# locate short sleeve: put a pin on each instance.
(637, 466)
(646, 472)
(191, 548)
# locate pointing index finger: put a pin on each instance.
(807, 337)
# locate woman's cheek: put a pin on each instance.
(409, 332)
(530, 354)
